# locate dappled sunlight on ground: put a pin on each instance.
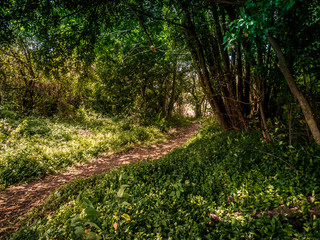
(18, 200)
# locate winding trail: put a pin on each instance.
(16, 201)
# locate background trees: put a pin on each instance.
(138, 57)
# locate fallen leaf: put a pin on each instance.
(115, 225)
(215, 217)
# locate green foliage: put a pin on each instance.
(172, 198)
(257, 19)
(88, 53)
(36, 146)
(67, 54)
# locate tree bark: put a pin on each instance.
(239, 73)
(166, 96)
(173, 92)
(264, 123)
(200, 63)
(219, 34)
(294, 89)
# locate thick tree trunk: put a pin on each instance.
(294, 89)
(228, 70)
(200, 63)
(212, 56)
(214, 102)
(219, 35)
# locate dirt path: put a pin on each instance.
(18, 200)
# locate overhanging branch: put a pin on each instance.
(153, 49)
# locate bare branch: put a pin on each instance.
(160, 19)
(153, 49)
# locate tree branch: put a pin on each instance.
(161, 19)
(66, 16)
(233, 3)
(142, 25)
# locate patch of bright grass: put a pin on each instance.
(36, 146)
(219, 173)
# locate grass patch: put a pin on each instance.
(217, 173)
(36, 146)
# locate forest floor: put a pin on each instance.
(16, 201)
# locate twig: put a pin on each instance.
(160, 19)
(142, 25)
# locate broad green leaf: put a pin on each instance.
(92, 236)
(93, 224)
(79, 231)
(91, 212)
(126, 217)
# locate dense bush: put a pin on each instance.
(35, 146)
(172, 198)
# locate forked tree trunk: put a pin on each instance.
(294, 89)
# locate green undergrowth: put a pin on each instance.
(36, 146)
(220, 173)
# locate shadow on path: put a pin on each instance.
(18, 200)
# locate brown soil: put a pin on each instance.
(16, 201)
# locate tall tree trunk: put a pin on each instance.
(213, 60)
(294, 89)
(200, 63)
(264, 123)
(215, 104)
(173, 92)
(247, 77)
(219, 34)
(166, 95)
(239, 73)
(229, 73)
